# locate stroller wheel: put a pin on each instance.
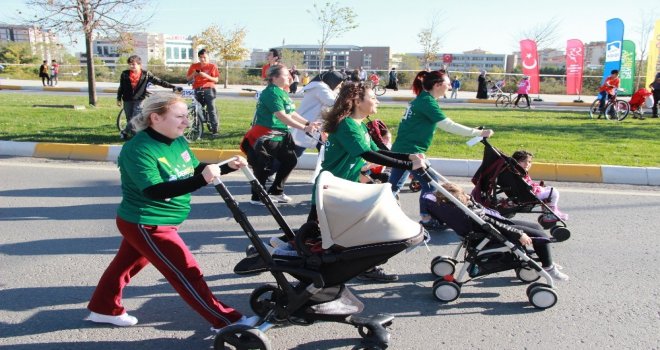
(545, 224)
(534, 285)
(446, 291)
(240, 336)
(560, 234)
(542, 297)
(527, 274)
(415, 186)
(442, 267)
(264, 298)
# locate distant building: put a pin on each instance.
(172, 50)
(343, 56)
(258, 56)
(43, 43)
(468, 60)
(594, 55)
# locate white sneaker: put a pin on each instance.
(248, 321)
(256, 202)
(556, 274)
(123, 320)
(280, 198)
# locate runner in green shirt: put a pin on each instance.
(158, 172)
(418, 126)
(349, 148)
(269, 138)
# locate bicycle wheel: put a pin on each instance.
(195, 126)
(594, 111)
(121, 120)
(503, 101)
(618, 110)
(379, 90)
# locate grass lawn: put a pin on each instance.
(554, 137)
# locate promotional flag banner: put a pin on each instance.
(574, 66)
(530, 64)
(627, 71)
(613, 47)
(653, 59)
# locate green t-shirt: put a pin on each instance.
(418, 125)
(144, 162)
(344, 147)
(273, 99)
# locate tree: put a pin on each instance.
(17, 53)
(334, 22)
(227, 45)
(91, 17)
(644, 30)
(290, 58)
(544, 34)
(430, 41)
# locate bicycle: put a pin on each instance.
(615, 109)
(379, 90)
(197, 117)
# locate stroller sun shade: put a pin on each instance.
(354, 214)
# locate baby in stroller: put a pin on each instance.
(547, 194)
(496, 89)
(526, 233)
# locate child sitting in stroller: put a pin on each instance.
(544, 193)
(515, 230)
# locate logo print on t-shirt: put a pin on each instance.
(186, 156)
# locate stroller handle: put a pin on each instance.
(216, 179)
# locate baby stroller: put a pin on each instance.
(499, 184)
(495, 90)
(486, 251)
(329, 254)
(638, 100)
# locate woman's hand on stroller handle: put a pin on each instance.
(525, 240)
(418, 160)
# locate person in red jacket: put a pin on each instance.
(608, 89)
(204, 76)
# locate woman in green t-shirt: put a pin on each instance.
(418, 125)
(349, 147)
(158, 172)
(269, 138)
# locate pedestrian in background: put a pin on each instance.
(455, 86)
(523, 90)
(393, 82)
(272, 59)
(43, 73)
(133, 90)
(482, 86)
(655, 87)
(54, 71)
(205, 75)
(295, 75)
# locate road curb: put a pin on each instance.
(609, 174)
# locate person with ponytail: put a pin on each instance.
(418, 125)
(349, 149)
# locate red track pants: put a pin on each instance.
(163, 247)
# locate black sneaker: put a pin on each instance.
(378, 274)
(434, 225)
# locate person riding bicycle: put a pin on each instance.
(204, 76)
(608, 89)
(133, 90)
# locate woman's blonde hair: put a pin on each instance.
(456, 191)
(157, 103)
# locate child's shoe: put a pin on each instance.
(558, 214)
(556, 275)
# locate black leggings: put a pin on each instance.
(518, 99)
(541, 246)
(262, 160)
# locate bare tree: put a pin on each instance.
(644, 30)
(91, 17)
(430, 39)
(227, 45)
(544, 33)
(334, 22)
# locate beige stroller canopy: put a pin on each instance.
(353, 214)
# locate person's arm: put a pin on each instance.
(157, 81)
(450, 126)
(295, 121)
(214, 79)
(379, 158)
(190, 75)
(395, 155)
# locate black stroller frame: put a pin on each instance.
(485, 253)
(508, 177)
(287, 303)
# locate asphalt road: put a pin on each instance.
(58, 235)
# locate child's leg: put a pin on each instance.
(549, 195)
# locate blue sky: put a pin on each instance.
(492, 25)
